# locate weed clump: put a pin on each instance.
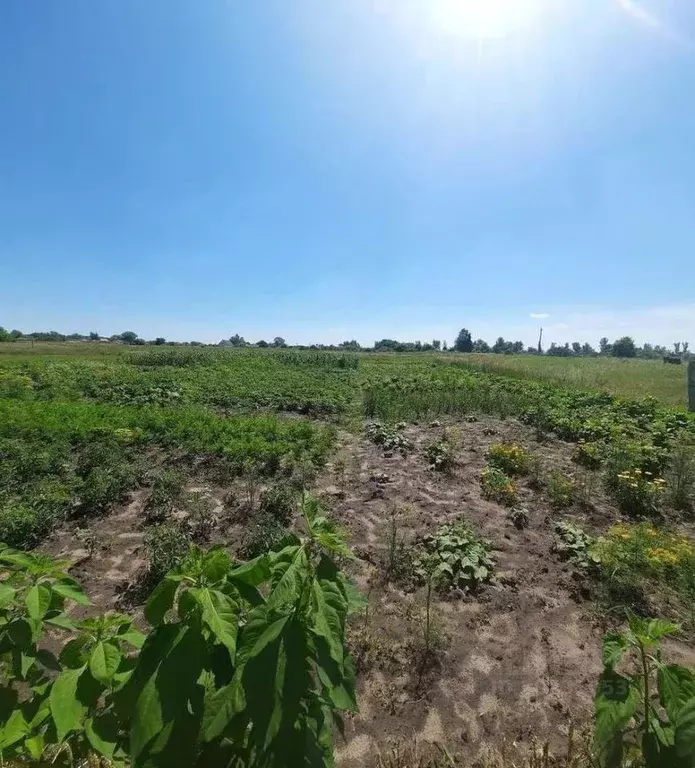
(509, 458)
(496, 486)
(455, 558)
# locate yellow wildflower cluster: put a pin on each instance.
(659, 547)
(636, 477)
(509, 457)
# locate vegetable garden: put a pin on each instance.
(295, 558)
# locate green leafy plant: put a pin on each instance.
(645, 557)
(561, 491)
(637, 492)
(680, 477)
(243, 665)
(588, 455)
(167, 490)
(390, 438)
(166, 546)
(576, 546)
(509, 458)
(646, 713)
(496, 486)
(455, 558)
(440, 456)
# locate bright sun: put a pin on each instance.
(482, 19)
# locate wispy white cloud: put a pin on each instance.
(539, 315)
(639, 13)
(642, 15)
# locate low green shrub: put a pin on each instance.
(166, 546)
(561, 490)
(390, 438)
(23, 526)
(496, 486)
(576, 546)
(509, 458)
(455, 558)
(440, 456)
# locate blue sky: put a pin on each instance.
(348, 169)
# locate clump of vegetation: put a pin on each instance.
(561, 490)
(646, 711)
(455, 558)
(440, 456)
(166, 546)
(167, 490)
(390, 438)
(588, 455)
(646, 550)
(510, 458)
(681, 477)
(114, 695)
(398, 560)
(637, 493)
(496, 486)
(576, 546)
(23, 526)
(280, 502)
(201, 516)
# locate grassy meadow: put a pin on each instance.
(623, 378)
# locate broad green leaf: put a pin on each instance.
(329, 609)
(14, 729)
(104, 662)
(259, 632)
(220, 614)
(62, 621)
(221, 706)
(7, 595)
(75, 652)
(165, 695)
(133, 637)
(288, 588)
(614, 645)
(615, 704)
(66, 708)
(102, 733)
(339, 681)
(216, 565)
(35, 746)
(160, 601)
(20, 632)
(356, 600)
(676, 687)
(684, 737)
(253, 573)
(71, 590)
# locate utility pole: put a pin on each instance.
(540, 342)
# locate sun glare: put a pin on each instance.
(482, 19)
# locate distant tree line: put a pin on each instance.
(623, 347)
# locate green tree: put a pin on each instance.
(4, 335)
(159, 341)
(237, 341)
(624, 347)
(15, 334)
(93, 336)
(464, 342)
(128, 337)
(480, 345)
(262, 344)
(604, 347)
(278, 341)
